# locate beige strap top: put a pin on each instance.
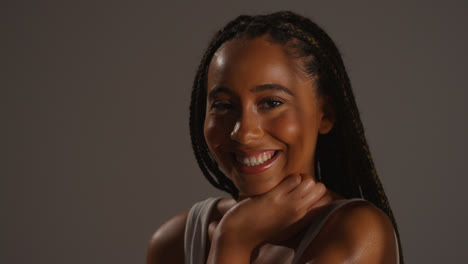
(196, 229)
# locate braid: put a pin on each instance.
(346, 165)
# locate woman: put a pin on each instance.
(274, 123)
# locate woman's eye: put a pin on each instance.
(270, 103)
(221, 106)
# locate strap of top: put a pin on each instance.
(317, 224)
(196, 230)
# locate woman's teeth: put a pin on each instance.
(254, 161)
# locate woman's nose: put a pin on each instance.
(247, 129)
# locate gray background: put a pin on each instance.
(95, 150)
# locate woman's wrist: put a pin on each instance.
(229, 232)
(227, 247)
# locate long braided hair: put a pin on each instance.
(343, 160)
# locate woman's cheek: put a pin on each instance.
(293, 129)
(212, 132)
(217, 131)
(286, 127)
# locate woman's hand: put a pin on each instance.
(264, 218)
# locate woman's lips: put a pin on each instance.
(255, 161)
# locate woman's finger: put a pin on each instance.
(287, 185)
(313, 195)
(303, 188)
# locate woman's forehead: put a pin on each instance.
(253, 59)
(245, 47)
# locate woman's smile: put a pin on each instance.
(262, 115)
(254, 158)
(254, 161)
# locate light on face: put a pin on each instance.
(220, 60)
(236, 128)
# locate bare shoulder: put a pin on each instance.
(358, 232)
(167, 243)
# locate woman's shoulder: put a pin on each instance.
(167, 243)
(356, 231)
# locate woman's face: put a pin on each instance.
(262, 115)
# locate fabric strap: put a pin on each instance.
(196, 230)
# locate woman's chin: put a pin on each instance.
(255, 185)
(253, 191)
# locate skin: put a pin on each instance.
(241, 117)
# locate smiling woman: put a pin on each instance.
(274, 123)
(260, 107)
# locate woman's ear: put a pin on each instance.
(329, 116)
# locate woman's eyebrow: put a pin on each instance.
(272, 86)
(219, 89)
(256, 89)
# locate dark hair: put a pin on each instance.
(343, 160)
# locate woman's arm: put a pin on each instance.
(273, 216)
(167, 243)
